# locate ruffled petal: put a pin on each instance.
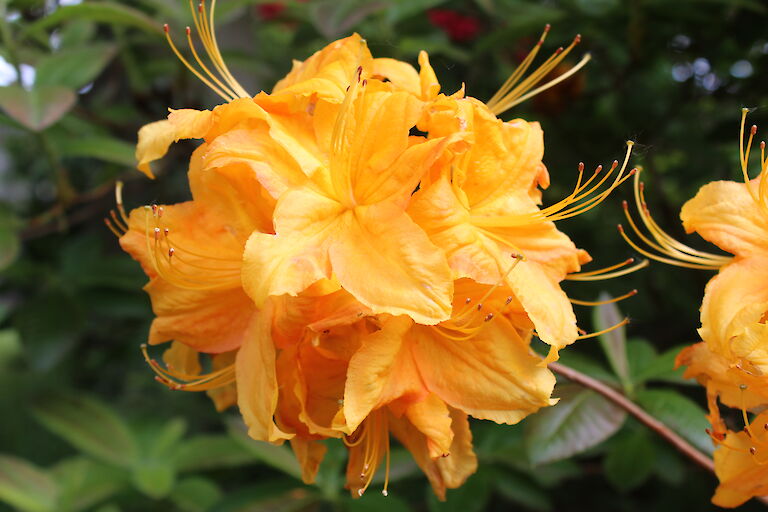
(724, 213)
(154, 138)
(310, 454)
(742, 475)
(401, 74)
(491, 376)
(257, 390)
(388, 263)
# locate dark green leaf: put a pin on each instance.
(90, 426)
(9, 239)
(10, 346)
(195, 494)
(522, 490)
(25, 486)
(279, 457)
(680, 414)
(211, 452)
(470, 497)
(267, 496)
(663, 369)
(630, 460)
(669, 467)
(39, 107)
(613, 342)
(374, 501)
(105, 12)
(100, 147)
(641, 355)
(74, 67)
(581, 420)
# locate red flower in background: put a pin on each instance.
(270, 10)
(459, 27)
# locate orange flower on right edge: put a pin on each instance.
(732, 359)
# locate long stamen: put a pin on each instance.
(602, 302)
(608, 275)
(187, 382)
(668, 250)
(599, 333)
(513, 93)
(224, 84)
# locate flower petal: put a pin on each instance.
(154, 138)
(310, 454)
(491, 376)
(256, 381)
(387, 262)
(723, 213)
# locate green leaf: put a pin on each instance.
(613, 342)
(9, 239)
(374, 501)
(267, 496)
(210, 452)
(520, 489)
(581, 420)
(196, 494)
(279, 457)
(25, 486)
(630, 460)
(641, 355)
(75, 67)
(680, 414)
(90, 427)
(669, 467)
(153, 477)
(105, 12)
(100, 147)
(663, 369)
(85, 482)
(39, 107)
(10, 346)
(472, 496)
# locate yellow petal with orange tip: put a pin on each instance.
(155, 138)
(433, 419)
(310, 454)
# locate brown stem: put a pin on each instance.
(632, 408)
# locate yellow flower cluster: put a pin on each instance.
(363, 256)
(732, 359)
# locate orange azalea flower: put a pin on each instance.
(732, 360)
(338, 302)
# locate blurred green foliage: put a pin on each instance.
(77, 80)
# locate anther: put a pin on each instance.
(384, 492)
(547, 27)
(166, 231)
(189, 30)
(359, 72)
(752, 450)
(154, 209)
(624, 204)
(166, 28)
(765, 426)
(360, 492)
(582, 332)
(467, 300)
(326, 331)
(170, 252)
(746, 431)
(743, 387)
(365, 82)
(577, 39)
(753, 130)
(157, 233)
(581, 166)
(200, 7)
(509, 299)
(160, 211)
(599, 169)
(488, 317)
(559, 51)
(480, 306)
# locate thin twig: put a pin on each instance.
(632, 408)
(646, 419)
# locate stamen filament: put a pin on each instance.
(599, 333)
(602, 302)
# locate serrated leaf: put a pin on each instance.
(90, 427)
(630, 460)
(105, 12)
(73, 67)
(155, 478)
(210, 452)
(85, 482)
(100, 147)
(195, 494)
(25, 486)
(680, 414)
(582, 419)
(279, 457)
(613, 342)
(39, 107)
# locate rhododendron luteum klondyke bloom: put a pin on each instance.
(334, 301)
(732, 359)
